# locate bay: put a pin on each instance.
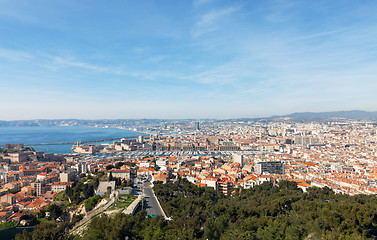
(59, 134)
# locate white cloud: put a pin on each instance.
(230, 72)
(60, 62)
(278, 11)
(209, 22)
(15, 55)
(198, 3)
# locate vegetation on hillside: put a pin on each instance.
(263, 212)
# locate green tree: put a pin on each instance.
(288, 185)
(55, 211)
(108, 167)
(46, 231)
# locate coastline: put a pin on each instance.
(59, 139)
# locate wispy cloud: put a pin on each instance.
(277, 11)
(157, 59)
(198, 3)
(271, 55)
(59, 62)
(18, 12)
(210, 21)
(321, 34)
(229, 73)
(15, 55)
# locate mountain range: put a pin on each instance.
(328, 116)
(294, 117)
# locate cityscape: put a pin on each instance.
(190, 119)
(227, 156)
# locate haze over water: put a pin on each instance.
(36, 135)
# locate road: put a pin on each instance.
(151, 204)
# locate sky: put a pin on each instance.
(92, 59)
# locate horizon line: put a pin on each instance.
(198, 119)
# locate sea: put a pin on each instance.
(30, 136)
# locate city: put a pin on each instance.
(191, 119)
(224, 156)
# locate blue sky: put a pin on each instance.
(185, 59)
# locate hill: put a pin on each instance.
(263, 212)
(317, 116)
(331, 116)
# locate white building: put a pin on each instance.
(238, 158)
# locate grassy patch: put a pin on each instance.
(123, 202)
(8, 224)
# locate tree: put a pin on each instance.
(111, 178)
(288, 185)
(117, 227)
(46, 231)
(92, 202)
(118, 165)
(262, 212)
(88, 191)
(55, 211)
(108, 167)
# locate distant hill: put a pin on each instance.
(294, 117)
(318, 116)
(325, 116)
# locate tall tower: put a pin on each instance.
(197, 126)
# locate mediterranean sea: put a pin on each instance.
(37, 135)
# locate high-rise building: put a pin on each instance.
(271, 167)
(197, 126)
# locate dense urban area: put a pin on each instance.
(161, 178)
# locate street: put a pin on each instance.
(151, 205)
